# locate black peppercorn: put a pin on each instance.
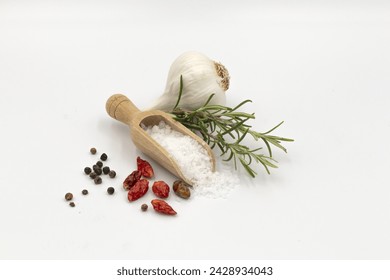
(71, 204)
(93, 151)
(68, 196)
(92, 175)
(84, 192)
(100, 164)
(98, 180)
(112, 174)
(98, 171)
(144, 207)
(87, 170)
(106, 170)
(103, 157)
(110, 190)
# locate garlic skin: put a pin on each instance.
(201, 78)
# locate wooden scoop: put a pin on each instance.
(122, 109)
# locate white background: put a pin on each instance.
(321, 66)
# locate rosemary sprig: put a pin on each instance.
(226, 128)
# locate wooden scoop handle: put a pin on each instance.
(121, 108)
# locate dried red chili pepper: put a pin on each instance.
(138, 190)
(145, 168)
(130, 181)
(162, 207)
(160, 189)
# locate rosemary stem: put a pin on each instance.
(215, 122)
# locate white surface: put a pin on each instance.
(323, 68)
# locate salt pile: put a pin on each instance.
(194, 162)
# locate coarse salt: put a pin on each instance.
(194, 162)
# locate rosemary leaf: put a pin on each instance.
(214, 122)
(180, 92)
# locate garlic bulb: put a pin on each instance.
(201, 78)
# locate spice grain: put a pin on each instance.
(103, 157)
(110, 190)
(68, 196)
(106, 170)
(181, 189)
(112, 174)
(98, 171)
(98, 180)
(144, 207)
